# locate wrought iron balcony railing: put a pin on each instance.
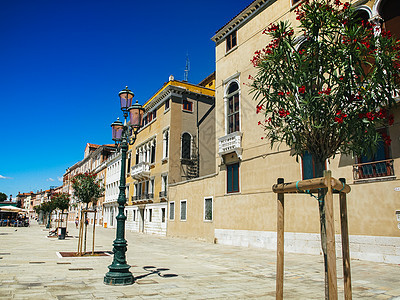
(147, 196)
(373, 170)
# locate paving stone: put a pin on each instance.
(198, 270)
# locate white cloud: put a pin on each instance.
(50, 179)
(4, 177)
(60, 179)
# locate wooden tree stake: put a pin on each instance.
(280, 243)
(330, 238)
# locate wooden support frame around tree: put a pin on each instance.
(331, 185)
(81, 229)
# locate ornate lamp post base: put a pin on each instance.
(121, 276)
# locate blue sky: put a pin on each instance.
(62, 64)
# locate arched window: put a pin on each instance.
(186, 145)
(233, 123)
(362, 15)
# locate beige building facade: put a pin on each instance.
(236, 205)
(176, 143)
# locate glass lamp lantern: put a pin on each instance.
(117, 128)
(136, 112)
(126, 97)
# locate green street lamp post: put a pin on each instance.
(123, 134)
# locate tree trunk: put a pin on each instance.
(319, 172)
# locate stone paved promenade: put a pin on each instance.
(170, 268)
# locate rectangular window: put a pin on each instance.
(187, 105)
(233, 113)
(153, 152)
(310, 168)
(128, 164)
(164, 183)
(151, 189)
(165, 143)
(145, 121)
(208, 209)
(154, 114)
(172, 210)
(380, 165)
(183, 210)
(150, 215)
(166, 105)
(163, 215)
(150, 117)
(231, 41)
(232, 178)
(134, 216)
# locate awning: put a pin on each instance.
(10, 208)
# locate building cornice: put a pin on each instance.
(176, 89)
(244, 16)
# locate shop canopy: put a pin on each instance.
(10, 208)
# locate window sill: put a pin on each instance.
(164, 160)
(231, 50)
(375, 179)
(187, 111)
(167, 110)
(183, 220)
(233, 194)
(207, 221)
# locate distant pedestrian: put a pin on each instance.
(76, 222)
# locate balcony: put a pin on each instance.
(143, 198)
(163, 195)
(231, 143)
(373, 171)
(140, 171)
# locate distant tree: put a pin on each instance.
(87, 189)
(61, 201)
(3, 197)
(47, 208)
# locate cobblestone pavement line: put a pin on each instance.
(170, 268)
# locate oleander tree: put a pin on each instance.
(325, 86)
(87, 189)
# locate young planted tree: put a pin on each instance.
(47, 208)
(326, 86)
(87, 189)
(61, 201)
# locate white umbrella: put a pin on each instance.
(11, 208)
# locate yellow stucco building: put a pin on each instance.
(176, 143)
(236, 205)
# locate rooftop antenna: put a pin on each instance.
(187, 68)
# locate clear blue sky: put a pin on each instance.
(62, 64)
